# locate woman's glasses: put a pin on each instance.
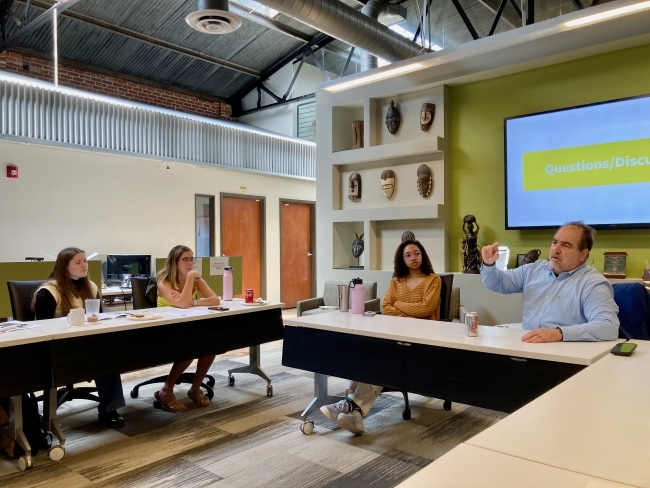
(416, 254)
(188, 260)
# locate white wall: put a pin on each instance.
(110, 203)
(282, 119)
(278, 119)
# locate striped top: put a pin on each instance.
(423, 302)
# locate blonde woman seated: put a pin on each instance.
(178, 286)
(413, 292)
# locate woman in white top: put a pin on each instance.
(67, 288)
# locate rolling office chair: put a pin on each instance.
(21, 294)
(145, 295)
(445, 309)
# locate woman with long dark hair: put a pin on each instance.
(414, 292)
(178, 286)
(68, 287)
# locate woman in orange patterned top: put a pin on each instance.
(414, 292)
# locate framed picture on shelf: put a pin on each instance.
(520, 260)
(614, 266)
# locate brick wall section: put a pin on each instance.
(113, 86)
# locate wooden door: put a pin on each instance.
(241, 235)
(296, 251)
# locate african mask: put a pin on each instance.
(531, 256)
(425, 180)
(354, 187)
(393, 118)
(388, 182)
(357, 246)
(426, 116)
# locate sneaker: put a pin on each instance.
(333, 411)
(352, 422)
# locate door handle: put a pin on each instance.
(309, 254)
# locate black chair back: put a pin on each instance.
(445, 296)
(21, 295)
(633, 302)
(144, 296)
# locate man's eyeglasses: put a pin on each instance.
(188, 260)
(416, 254)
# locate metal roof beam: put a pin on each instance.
(37, 23)
(152, 40)
(320, 40)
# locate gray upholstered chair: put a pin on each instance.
(456, 310)
(331, 298)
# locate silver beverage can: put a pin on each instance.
(471, 324)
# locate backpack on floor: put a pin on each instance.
(33, 429)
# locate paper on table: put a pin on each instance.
(217, 263)
(17, 325)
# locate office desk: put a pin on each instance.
(595, 423)
(121, 345)
(56, 354)
(112, 292)
(494, 370)
(467, 466)
(25, 361)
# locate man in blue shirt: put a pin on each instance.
(564, 298)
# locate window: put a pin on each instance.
(204, 225)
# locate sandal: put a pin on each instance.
(169, 403)
(199, 399)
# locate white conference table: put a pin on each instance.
(468, 466)
(596, 423)
(61, 354)
(494, 370)
(491, 339)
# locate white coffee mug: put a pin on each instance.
(76, 316)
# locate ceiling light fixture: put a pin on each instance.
(609, 14)
(374, 77)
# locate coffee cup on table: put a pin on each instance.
(92, 309)
(76, 316)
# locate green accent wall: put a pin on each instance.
(477, 146)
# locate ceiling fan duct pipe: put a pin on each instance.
(372, 9)
(349, 25)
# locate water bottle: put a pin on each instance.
(356, 296)
(344, 296)
(227, 283)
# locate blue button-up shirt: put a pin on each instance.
(579, 302)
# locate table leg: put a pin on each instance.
(320, 395)
(16, 428)
(252, 368)
(50, 421)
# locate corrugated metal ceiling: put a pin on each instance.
(253, 46)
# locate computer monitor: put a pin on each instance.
(118, 265)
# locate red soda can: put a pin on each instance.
(471, 324)
(249, 295)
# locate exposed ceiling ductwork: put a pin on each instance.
(351, 26)
(372, 9)
(213, 17)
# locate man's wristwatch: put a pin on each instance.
(486, 264)
(561, 333)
